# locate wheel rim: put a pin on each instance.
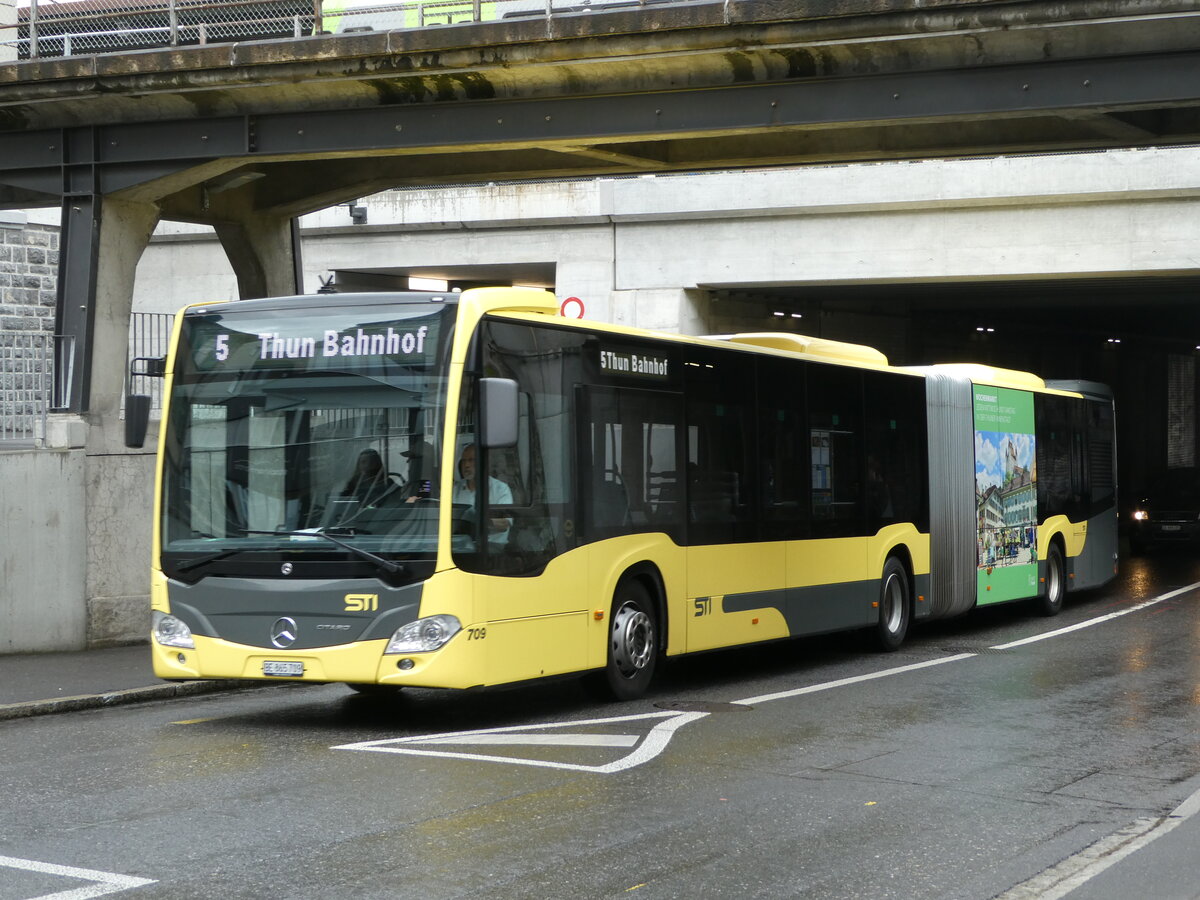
(632, 640)
(1054, 580)
(892, 614)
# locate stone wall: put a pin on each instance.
(28, 274)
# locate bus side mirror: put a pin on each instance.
(497, 412)
(137, 419)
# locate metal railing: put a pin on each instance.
(54, 28)
(149, 338)
(32, 383)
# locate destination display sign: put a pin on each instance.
(338, 340)
(641, 365)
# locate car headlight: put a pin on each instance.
(424, 635)
(171, 632)
(1140, 515)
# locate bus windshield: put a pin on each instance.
(304, 434)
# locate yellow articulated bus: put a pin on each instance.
(459, 490)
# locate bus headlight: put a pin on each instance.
(424, 635)
(171, 632)
(1140, 515)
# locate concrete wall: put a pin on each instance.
(43, 541)
(643, 250)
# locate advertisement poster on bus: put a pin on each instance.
(1005, 494)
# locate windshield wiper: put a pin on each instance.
(386, 564)
(198, 561)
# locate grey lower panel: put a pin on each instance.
(244, 610)
(1094, 566)
(815, 610)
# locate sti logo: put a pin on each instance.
(362, 602)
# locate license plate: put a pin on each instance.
(279, 667)
(1170, 528)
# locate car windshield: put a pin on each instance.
(307, 430)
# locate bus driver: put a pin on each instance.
(499, 494)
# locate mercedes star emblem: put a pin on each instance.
(283, 632)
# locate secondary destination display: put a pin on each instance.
(644, 364)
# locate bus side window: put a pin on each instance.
(721, 461)
(782, 439)
(837, 466)
(629, 460)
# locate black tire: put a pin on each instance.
(632, 642)
(1051, 602)
(895, 606)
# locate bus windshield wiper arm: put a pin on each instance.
(198, 561)
(386, 564)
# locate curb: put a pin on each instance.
(124, 697)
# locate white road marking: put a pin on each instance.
(1096, 621)
(857, 679)
(1077, 870)
(105, 882)
(650, 746)
(545, 740)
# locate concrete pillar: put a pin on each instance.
(125, 230)
(119, 484)
(8, 30)
(264, 251)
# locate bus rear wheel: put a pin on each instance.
(632, 642)
(1051, 603)
(895, 606)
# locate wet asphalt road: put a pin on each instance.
(951, 769)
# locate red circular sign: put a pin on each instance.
(572, 307)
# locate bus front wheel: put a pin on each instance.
(895, 606)
(632, 642)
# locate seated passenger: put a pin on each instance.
(369, 480)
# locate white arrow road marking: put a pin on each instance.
(645, 748)
(105, 882)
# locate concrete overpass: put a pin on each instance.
(246, 137)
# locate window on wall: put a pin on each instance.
(1181, 411)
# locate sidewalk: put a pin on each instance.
(36, 684)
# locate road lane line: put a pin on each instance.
(1075, 871)
(1090, 622)
(857, 679)
(105, 882)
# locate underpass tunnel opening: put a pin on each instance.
(1140, 336)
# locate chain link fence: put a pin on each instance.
(32, 29)
(35, 378)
